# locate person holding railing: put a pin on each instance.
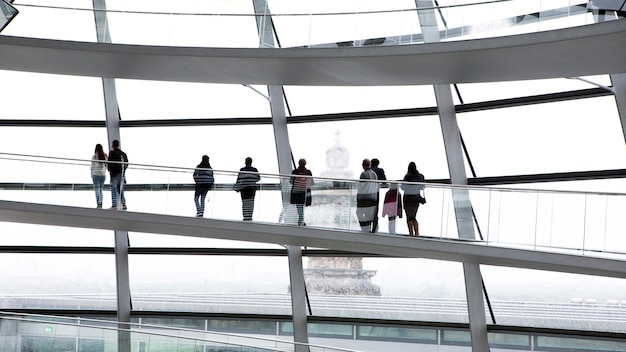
(412, 197)
(301, 189)
(203, 177)
(367, 196)
(246, 186)
(98, 172)
(380, 173)
(117, 169)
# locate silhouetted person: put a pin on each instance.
(118, 162)
(412, 198)
(246, 186)
(203, 176)
(380, 173)
(301, 189)
(98, 172)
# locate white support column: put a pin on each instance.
(283, 151)
(281, 132)
(111, 111)
(296, 273)
(458, 176)
(111, 108)
(619, 89)
(123, 290)
(298, 298)
(121, 237)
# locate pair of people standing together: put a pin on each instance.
(300, 195)
(245, 185)
(115, 163)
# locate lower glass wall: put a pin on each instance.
(155, 334)
(558, 344)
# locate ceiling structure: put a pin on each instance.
(569, 52)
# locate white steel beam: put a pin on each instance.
(461, 200)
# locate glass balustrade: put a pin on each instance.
(574, 222)
(297, 25)
(31, 332)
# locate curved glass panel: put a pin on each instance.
(567, 136)
(148, 240)
(388, 289)
(216, 284)
(61, 281)
(488, 91)
(40, 96)
(329, 100)
(41, 235)
(542, 299)
(65, 142)
(155, 100)
(184, 23)
(36, 20)
(227, 147)
(394, 141)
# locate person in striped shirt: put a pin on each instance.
(246, 186)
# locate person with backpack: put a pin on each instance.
(118, 162)
(203, 176)
(301, 184)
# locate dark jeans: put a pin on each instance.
(199, 197)
(247, 202)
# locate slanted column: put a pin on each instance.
(123, 290)
(458, 176)
(619, 89)
(111, 107)
(296, 273)
(285, 165)
(112, 117)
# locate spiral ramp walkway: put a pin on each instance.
(394, 246)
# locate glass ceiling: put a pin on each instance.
(64, 116)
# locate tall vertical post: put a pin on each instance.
(123, 291)
(121, 237)
(458, 176)
(283, 150)
(294, 253)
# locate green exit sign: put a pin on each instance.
(48, 329)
